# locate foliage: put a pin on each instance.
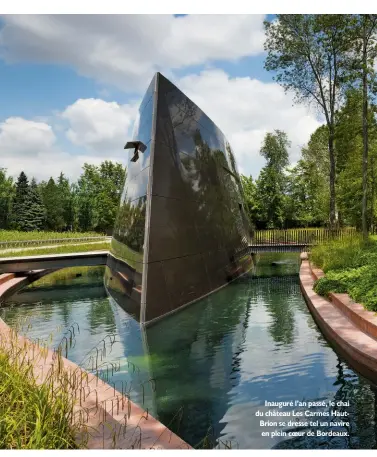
(307, 52)
(271, 181)
(307, 200)
(98, 195)
(360, 283)
(91, 204)
(6, 197)
(67, 274)
(349, 151)
(32, 416)
(19, 206)
(251, 203)
(15, 235)
(349, 252)
(34, 213)
(326, 285)
(53, 203)
(64, 249)
(350, 267)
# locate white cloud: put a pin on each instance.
(97, 128)
(21, 138)
(100, 127)
(44, 165)
(245, 110)
(126, 50)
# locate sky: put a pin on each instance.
(70, 86)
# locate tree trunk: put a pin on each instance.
(332, 182)
(372, 184)
(364, 211)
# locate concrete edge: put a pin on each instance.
(358, 348)
(108, 412)
(365, 320)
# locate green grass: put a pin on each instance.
(123, 252)
(63, 249)
(67, 274)
(32, 416)
(351, 267)
(15, 235)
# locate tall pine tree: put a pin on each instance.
(21, 195)
(34, 212)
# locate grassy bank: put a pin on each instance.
(32, 416)
(15, 235)
(68, 274)
(64, 249)
(351, 267)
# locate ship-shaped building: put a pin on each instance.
(181, 232)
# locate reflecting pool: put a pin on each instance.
(208, 369)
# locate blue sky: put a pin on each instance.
(70, 85)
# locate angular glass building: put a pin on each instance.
(181, 231)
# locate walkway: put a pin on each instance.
(347, 325)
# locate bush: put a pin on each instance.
(360, 283)
(324, 286)
(349, 252)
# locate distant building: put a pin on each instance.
(181, 231)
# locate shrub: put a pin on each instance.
(31, 417)
(325, 285)
(349, 252)
(360, 283)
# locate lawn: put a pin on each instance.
(350, 265)
(67, 274)
(15, 235)
(132, 258)
(63, 249)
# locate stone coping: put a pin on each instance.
(358, 348)
(100, 408)
(363, 319)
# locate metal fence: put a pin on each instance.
(305, 237)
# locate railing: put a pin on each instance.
(299, 236)
(52, 242)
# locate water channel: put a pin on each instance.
(215, 363)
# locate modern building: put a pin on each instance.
(181, 231)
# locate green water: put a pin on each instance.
(215, 363)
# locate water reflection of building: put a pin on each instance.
(194, 358)
(181, 231)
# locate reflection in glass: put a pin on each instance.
(192, 207)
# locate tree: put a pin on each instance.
(307, 182)
(87, 188)
(6, 196)
(362, 69)
(98, 195)
(271, 181)
(349, 148)
(250, 196)
(307, 53)
(34, 212)
(21, 194)
(111, 183)
(54, 206)
(66, 199)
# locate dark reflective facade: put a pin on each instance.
(181, 231)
